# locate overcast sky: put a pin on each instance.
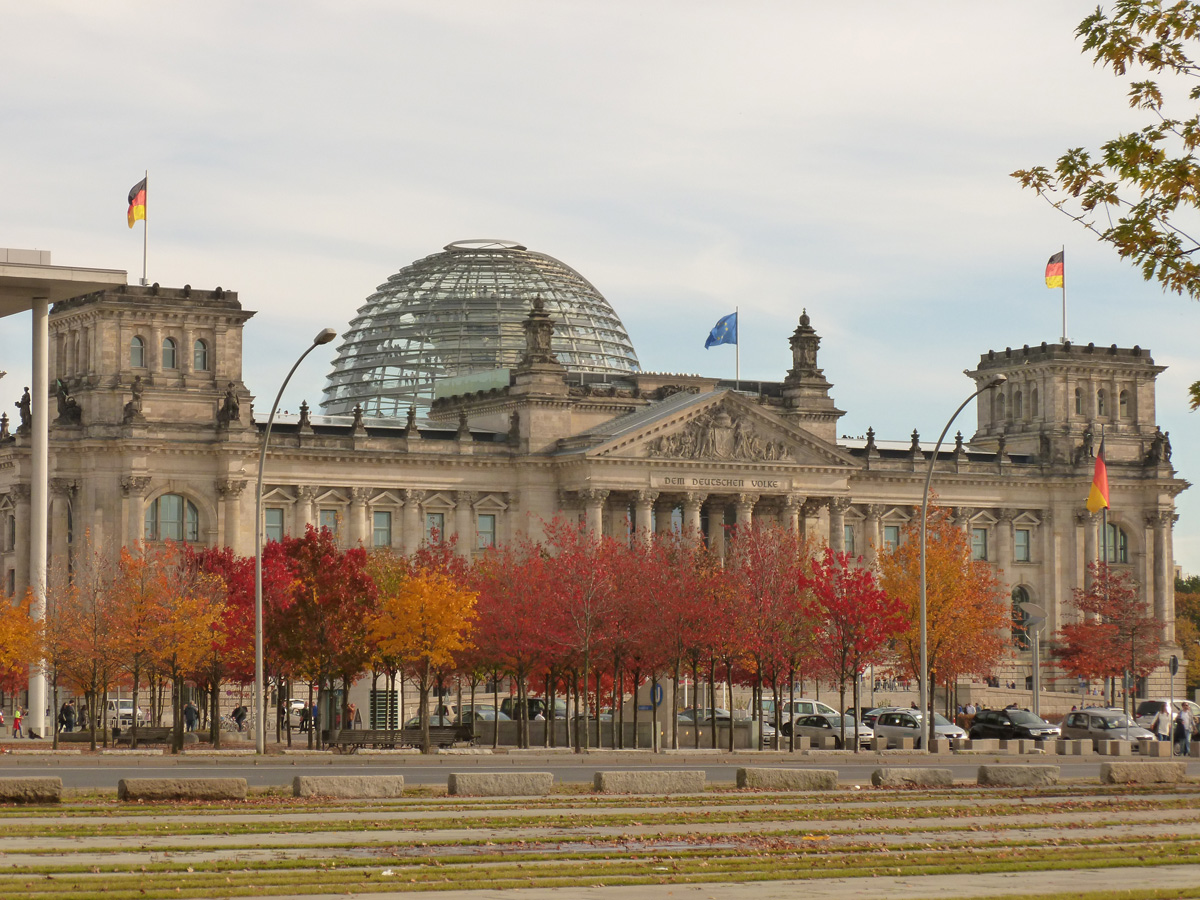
(686, 157)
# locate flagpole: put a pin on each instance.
(146, 229)
(737, 351)
(1064, 293)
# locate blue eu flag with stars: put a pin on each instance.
(724, 332)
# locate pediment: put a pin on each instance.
(723, 427)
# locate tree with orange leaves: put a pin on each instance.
(20, 641)
(138, 598)
(966, 617)
(424, 617)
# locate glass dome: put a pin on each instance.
(460, 311)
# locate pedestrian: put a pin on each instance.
(17, 714)
(190, 715)
(1187, 724)
(351, 713)
(1161, 725)
(71, 716)
(62, 717)
(239, 716)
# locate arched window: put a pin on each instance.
(200, 356)
(172, 517)
(1033, 403)
(1101, 403)
(1123, 404)
(169, 354)
(999, 407)
(1018, 406)
(1116, 549)
(137, 353)
(1020, 632)
(1079, 401)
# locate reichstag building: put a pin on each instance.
(488, 387)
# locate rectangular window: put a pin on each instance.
(11, 580)
(329, 519)
(1021, 545)
(382, 528)
(848, 539)
(979, 538)
(485, 532)
(10, 539)
(891, 536)
(435, 527)
(273, 523)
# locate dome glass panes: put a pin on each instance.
(461, 311)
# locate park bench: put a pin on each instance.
(146, 734)
(351, 739)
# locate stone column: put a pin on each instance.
(413, 532)
(691, 516)
(306, 514)
(961, 517)
(643, 505)
(593, 510)
(229, 529)
(1159, 521)
(61, 492)
(1091, 545)
(837, 523)
(464, 520)
(358, 527)
(809, 515)
(716, 524)
(1004, 542)
(744, 507)
(793, 504)
(133, 508)
(874, 528)
(21, 500)
(664, 509)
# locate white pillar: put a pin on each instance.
(39, 500)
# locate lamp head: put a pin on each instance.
(324, 337)
(998, 380)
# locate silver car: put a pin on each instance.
(1103, 725)
(906, 723)
(825, 725)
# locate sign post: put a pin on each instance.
(1035, 621)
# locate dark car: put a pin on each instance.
(1012, 724)
(535, 706)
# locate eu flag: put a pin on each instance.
(724, 332)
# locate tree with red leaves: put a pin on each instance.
(1117, 631)
(856, 621)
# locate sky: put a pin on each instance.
(685, 156)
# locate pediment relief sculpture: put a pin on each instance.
(715, 435)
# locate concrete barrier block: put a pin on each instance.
(30, 790)
(1155, 749)
(1195, 751)
(1142, 772)
(499, 784)
(1015, 746)
(1070, 748)
(803, 742)
(640, 782)
(1018, 776)
(826, 742)
(1114, 748)
(881, 743)
(915, 777)
(770, 779)
(987, 745)
(940, 745)
(181, 789)
(348, 787)
(903, 743)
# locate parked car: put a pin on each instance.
(1012, 724)
(1103, 725)
(688, 714)
(472, 714)
(825, 725)
(723, 717)
(895, 723)
(801, 706)
(534, 705)
(119, 714)
(415, 721)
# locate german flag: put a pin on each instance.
(1097, 498)
(1054, 271)
(137, 202)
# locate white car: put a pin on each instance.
(825, 725)
(1148, 709)
(907, 723)
(801, 706)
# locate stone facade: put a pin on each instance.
(162, 442)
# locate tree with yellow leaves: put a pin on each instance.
(20, 644)
(966, 617)
(424, 618)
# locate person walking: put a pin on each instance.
(1187, 724)
(17, 715)
(1161, 725)
(189, 716)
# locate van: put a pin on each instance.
(119, 714)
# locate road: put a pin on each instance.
(86, 771)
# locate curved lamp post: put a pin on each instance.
(924, 677)
(260, 732)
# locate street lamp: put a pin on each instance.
(924, 676)
(260, 732)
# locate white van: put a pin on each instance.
(801, 706)
(119, 714)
